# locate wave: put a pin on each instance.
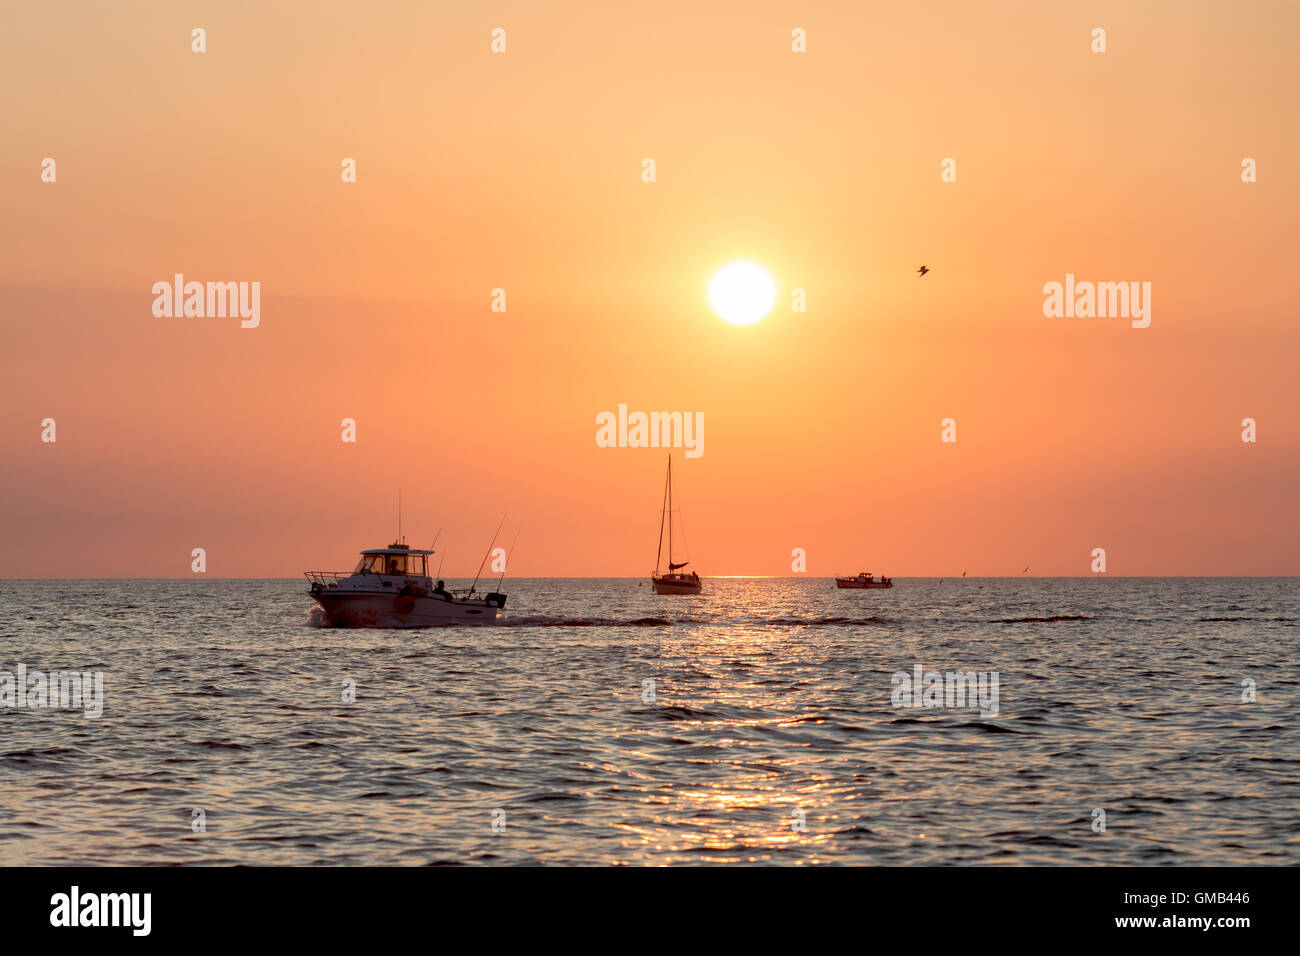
(1278, 620)
(826, 621)
(1042, 620)
(542, 621)
(676, 712)
(988, 728)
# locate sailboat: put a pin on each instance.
(674, 580)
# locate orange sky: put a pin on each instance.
(522, 170)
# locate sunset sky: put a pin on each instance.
(522, 171)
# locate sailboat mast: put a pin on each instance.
(670, 513)
(662, 515)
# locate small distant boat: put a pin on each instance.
(674, 580)
(863, 579)
(391, 587)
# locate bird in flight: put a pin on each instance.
(1026, 570)
(922, 271)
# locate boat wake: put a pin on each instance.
(317, 618)
(543, 621)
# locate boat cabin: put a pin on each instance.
(396, 560)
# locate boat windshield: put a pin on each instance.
(407, 564)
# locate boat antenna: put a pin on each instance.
(399, 515)
(485, 555)
(510, 556)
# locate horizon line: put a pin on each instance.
(772, 577)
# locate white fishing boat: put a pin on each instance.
(863, 579)
(391, 587)
(674, 580)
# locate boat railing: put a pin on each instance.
(324, 579)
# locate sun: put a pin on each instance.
(742, 293)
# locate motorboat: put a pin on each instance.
(391, 587)
(863, 579)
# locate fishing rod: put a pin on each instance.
(487, 553)
(510, 556)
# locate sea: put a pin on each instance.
(767, 721)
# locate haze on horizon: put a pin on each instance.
(521, 171)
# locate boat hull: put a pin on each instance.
(862, 585)
(397, 610)
(665, 586)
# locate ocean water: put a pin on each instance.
(599, 723)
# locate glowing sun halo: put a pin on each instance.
(742, 293)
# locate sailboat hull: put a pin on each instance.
(676, 585)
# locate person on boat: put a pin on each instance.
(442, 590)
(392, 566)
